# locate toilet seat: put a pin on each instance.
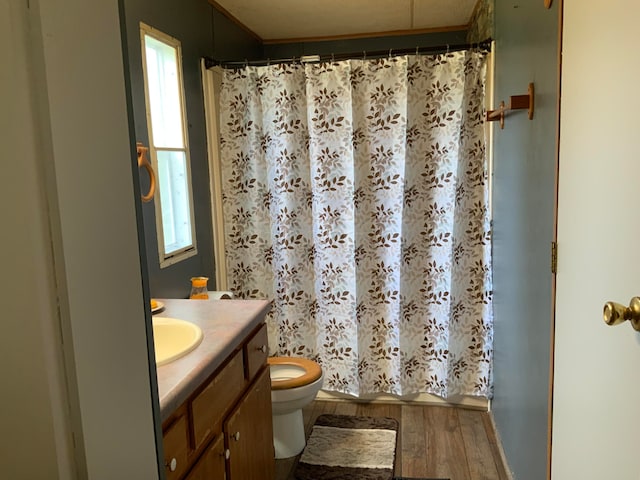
(312, 372)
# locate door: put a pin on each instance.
(249, 434)
(596, 381)
(212, 464)
(74, 334)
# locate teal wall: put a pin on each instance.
(384, 43)
(202, 31)
(205, 32)
(523, 211)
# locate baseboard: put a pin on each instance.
(503, 456)
(475, 403)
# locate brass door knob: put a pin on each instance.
(615, 314)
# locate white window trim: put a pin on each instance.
(489, 99)
(211, 83)
(191, 250)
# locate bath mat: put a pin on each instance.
(345, 447)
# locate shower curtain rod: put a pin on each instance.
(392, 52)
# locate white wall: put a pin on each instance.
(596, 388)
(69, 250)
(33, 401)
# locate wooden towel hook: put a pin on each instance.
(143, 161)
(516, 102)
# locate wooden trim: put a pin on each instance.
(555, 239)
(230, 16)
(354, 36)
(312, 372)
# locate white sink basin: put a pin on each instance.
(174, 338)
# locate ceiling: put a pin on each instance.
(273, 20)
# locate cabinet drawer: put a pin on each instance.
(211, 465)
(256, 351)
(176, 444)
(210, 405)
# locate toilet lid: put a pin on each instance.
(312, 372)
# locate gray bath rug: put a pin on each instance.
(345, 447)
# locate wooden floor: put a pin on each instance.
(434, 442)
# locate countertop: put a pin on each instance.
(224, 323)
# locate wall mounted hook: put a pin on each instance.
(516, 102)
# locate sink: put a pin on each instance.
(174, 338)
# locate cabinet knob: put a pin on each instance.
(227, 453)
(236, 436)
(172, 465)
(263, 349)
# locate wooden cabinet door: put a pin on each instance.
(210, 405)
(249, 434)
(211, 465)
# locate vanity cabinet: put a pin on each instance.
(224, 428)
(250, 440)
(209, 406)
(176, 447)
(212, 463)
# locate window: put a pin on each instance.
(168, 145)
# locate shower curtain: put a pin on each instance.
(355, 196)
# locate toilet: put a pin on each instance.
(295, 382)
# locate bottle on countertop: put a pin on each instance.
(199, 289)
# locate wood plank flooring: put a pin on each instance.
(434, 442)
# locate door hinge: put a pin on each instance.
(554, 257)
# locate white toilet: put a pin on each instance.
(295, 382)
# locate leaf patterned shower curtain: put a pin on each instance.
(355, 196)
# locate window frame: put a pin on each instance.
(175, 256)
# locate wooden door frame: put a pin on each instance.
(555, 240)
